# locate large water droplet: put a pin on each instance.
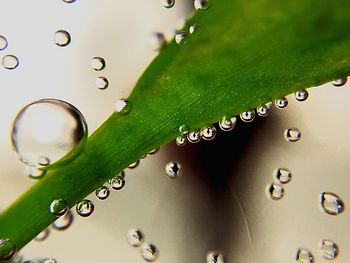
(102, 192)
(301, 95)
(122, 106)
(194, 28)
(202, 4)
(331, 203)
(101, 83)
(329, 249)
(135, 237)
(281, 103)
(10, 62)
(62, 38)
(58, 207)
(264, 110)
(181, 37)
(3, 42)
(63, 222)
(97, 63)
(340, 82)
(194, 136)
(208, 133)
(227, 124)
(173, 169)
(85, 208)
(117, 183)
(282, 175)
(304, 256)
(275, 191)
(42, 235)
(247, 116)
(168, 3)
(7, 249)
(181, 140)
(215, 257)
(149, 252)
(292, 135)
(157, 41)
(46, 131)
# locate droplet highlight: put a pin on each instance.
(281, 103)
(168, 3)
(181, 140)
(135, 237)
(194, 28)
(173, 169)
(97, 63)
(331, 203)
(85, 208)
(194, 136)
(117, 183)
(181, 37)
(292, 135)
(149, 252)
(329, 249)
(247, 116)
(275, 191)
(58, 207)
(264, 110)
(102, 192)
(10, 62)
(208, 133)
(122, 106)
(202, 5)
(101, 83)
(282, 175)
(227, 124)
(304, 256)
(301, 95)
(62, 38)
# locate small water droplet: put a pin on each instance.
(101, 83)
(117, 183)
(227, 124)
(331, 203)
(69, 1)
(301, 95)
(247, 116)
(194, 136)
(134, 164)
(194, 28)
(3, 42)
(215, 257)
(135, 237)
(122, 106)
(97, 63)
(181, 140)
(153, 151)
(157, 41)
(173, 169)
(102, 192)
(10, 62)
(208, 133)
(304, 256)
(292, 135)
(281, 103)
(275, 191)
(63, 222)
(34, 173)
(42, 235)
(46, 131)
(62, 38)
(184, 129)
(85, 208)
(58, 207)
(264, 110)
(149, 252)
(48, 260)
(181, 37)
(329, 249)
(168, 3)
(7, 249)
(282, 175)
(202, 4)
(340, 82)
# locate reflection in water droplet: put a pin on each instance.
(283, 175)
(181, 140)
(85, 208)
(331, 203)
(3, 42)
(208, 133)
(301, 95)
(329, 249)
(264, 110)
(102, 192)
(227, 124)
(34, 173)
(275, 191)
(117, 183)
(42, 235)
(194, 136)
(247, 116)
(149, 252)
(281, 103)
(10, 62)
(168, 3)
(101, 83)
(184, 129)
(58, 207)
(63, 222)
(135, 237)
(173, 169)
(292, 135)
(47, 130)
(202, 4)
(181, 37)
(340, 82)
(157, 41)
(194, 28)
(7, 249)
(304, 256)
(134, 164)
(215, 257)
(122, 106)
(62, 38)
(97, 63)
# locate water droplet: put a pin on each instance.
(149, 252)
(3, 42)
(153, 151)
(184, 129)
(275, 191)
(340, 82)
(194, 136)
(264, 110)
(134, 164)
(173, 169)
(292, 135)
(208, 133)
(331, 203)
(7, 249)
(34, 173)
(122, 106)
(42, 235)
(117, 183)
(181, 37)
(135, 237)
(283, 175)
(281, 103)
(194, 28)
(58, 207)
(47, 130)
(227, 124)
(10, 62)
(63, 222)
(301, 95)
(304, 256)
(202, 4)
(97, 63)
(168, 3)
(48, 260)
(215, 257)
(102, 192)
(181, 140)
(248, 116)
(69, 1)
(62, 38)
(157, 41)
(85, 208)
(329, 249)
(101, 83)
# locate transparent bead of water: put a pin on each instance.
(340, 82)
(184, 129)
(97, 63)
(85, 208)
(301, 95)
(48, 260)
(282, 175)
(134, 164)
(153, 151)
(181, 140)
(157, 41)
(331, 203)
(168, 3)
(227, 124)
(329, 249)
(264, 110)
(117, 183)
(292, 135)
(173, 169)
(101, 83)
(46, 131)
(304, 256)
(10, 62)
(34, 173)
(181, 37)
(202, 4)
(194, 28)
(281, 103)
(208, 133)
(149, 252)
(3, 42)
(64, 222)
(194, 136)
(58, 207)
(247, 116)
(275, 191)
(7, 249)
(42, 235)
(215, 257)
(62, 38)
(122, 106)
(135, 237)
(102, 192)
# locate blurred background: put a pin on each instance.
(221, 202)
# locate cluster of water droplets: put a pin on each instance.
(275, 190)
(148, 251)
(9, 61)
